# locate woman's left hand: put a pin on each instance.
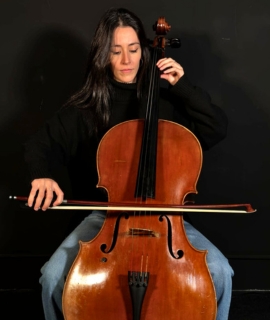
(171, 70)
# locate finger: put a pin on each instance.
(172, 73)
(39, 187)
(48, 198)
(171, 69)
(166, 62)
(161, 62)
(31, 196)
(39, 198)
(36, 193)
(59, 196)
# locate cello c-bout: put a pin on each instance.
(141, 265)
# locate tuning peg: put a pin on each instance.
(173, 43)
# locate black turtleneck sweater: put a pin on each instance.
(65, 139)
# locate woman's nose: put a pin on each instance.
(125, 58)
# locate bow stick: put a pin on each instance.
(133, 206)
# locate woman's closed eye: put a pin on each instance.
(119, 52)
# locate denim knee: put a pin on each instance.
(222, 274)
(50, 277)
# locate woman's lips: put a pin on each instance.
(126, 70)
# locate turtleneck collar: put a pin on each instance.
(122, 85)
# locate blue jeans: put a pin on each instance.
(56, 269)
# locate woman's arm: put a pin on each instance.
(50, 147)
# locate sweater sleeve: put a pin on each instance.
(54, 143)
(207, 121)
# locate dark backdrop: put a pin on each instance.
(225, 50)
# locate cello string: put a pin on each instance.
(150, 111)
(150, 153)
(142, 187)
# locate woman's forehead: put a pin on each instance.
(124, 36)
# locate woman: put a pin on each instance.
(114, 91)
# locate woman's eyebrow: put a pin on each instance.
(130, 44)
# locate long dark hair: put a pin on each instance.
(94, 96)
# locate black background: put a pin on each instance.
(225, 50)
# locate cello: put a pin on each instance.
(141, 265)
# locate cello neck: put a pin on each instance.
(146, 178)
(145, 186)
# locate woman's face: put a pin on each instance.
(125, 54)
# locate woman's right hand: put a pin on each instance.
(43, 189)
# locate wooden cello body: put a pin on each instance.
(141, 266)
(177, 288)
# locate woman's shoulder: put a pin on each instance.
(69, 116)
